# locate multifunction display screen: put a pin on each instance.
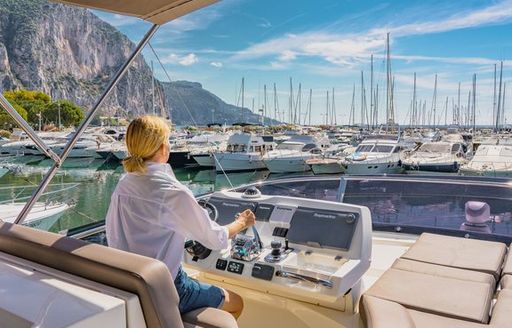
(322, 228)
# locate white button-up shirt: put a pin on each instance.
(151, 214)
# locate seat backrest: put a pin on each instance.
(148, 278)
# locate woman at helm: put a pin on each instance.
(151, 213)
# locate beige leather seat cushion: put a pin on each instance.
(506, 282)
(209, 318)
(379, 313)
(148, 278)
(437, 290)
(471, 254)
(507, 269)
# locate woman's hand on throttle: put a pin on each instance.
(247, 218)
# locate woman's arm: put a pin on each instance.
(242, 222)
(185, 216)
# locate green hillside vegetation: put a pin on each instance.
(34, 104)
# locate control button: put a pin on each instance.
(221, 264)
(235, 267)
(262, 271)
(280, 232)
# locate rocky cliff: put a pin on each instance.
(69, 53)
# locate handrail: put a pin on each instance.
(53, 170)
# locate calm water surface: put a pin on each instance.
(90, 188)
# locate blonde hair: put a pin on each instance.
(145, 135)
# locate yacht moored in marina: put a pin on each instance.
(436, 157)
(244, 152)
(376, 154)
(490, 160)
(291, 155)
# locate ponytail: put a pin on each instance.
(145, 135)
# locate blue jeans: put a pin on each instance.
(194, 294)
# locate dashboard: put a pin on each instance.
(311, 250)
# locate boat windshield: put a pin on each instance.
(412, 204)
(434, 148)
(382, 149)
(364, 148)
(290, 146)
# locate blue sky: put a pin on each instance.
(326, 44)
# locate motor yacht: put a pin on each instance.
(244, 152)
(436, 157)
(490, 160)
(87, 146)
(42, 216)
(340, 252)
(375, 155)
(291, 155)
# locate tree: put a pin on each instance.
(6, 121)
(70, 113)
(34, 102)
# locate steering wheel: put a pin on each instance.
(213, 213)
(195, 248)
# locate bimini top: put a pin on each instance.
(155, 11)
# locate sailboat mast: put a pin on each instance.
(309, 105)
(434, 101)
(494, 99)
(474, 103)
(446, 112)
(290, 105)
(333, 107)
(503, 104)
(457, 117)
(276, 114)
(327, 109)
(376, 106)
(351, 118)
(371, 92)
(243, 96)
(264, 103)
(390, 117)
(414, 104)
(362, 99)
(498, 110)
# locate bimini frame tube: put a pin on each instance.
(4, 103)
(51, 173)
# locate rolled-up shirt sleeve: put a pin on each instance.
(188, 218)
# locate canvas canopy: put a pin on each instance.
(154, 11)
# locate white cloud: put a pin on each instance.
(216, 64)
(186, 60)
(352, 48)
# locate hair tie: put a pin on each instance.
(136, 158)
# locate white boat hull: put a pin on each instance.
(41, 216)
(286, 165)
(363, 167)
(238, 162)
(204, 160)
(327, 168)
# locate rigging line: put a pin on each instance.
(191, 117)
(43, 194)
(170, 81)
